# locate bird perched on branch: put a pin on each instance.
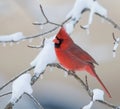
(74, 58)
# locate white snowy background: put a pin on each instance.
(54, 89)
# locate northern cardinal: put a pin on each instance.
(74, 58)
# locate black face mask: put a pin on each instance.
(57, 45)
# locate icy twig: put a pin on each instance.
(47, 20)
(90, 92)
(40, 46)
(18, 36)
(79, 8)
(46, 56)
(116, 44)
(20, 86)
(15, 37)
(35, 101)
(8, 93)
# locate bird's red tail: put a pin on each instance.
(93, 73)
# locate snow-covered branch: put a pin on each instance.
(116, 44)
(43, 59)
(38, 46)
(46, 57)
(12, 37)
(47, 20)
(20, 86)
(16, 37)
(95, 94)
(73, 17)
(79, 8)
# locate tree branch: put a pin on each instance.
(108, 104)
(115, 25)
(40, 46)
(47, 20)
(116, 44)
(85, 85)
(8, 93)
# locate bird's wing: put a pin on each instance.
(81, 54)
(71, 62)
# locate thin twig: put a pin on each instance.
(85, 86)
(47, 32)
(43, 12)
(35, 101)
(86, 81)
(41, 34)
(40, 46)
(34, 46)
(114, 37)
(115, 25)
(108, 104)
(82, 83)
(47, 20)
(8, 93)
(71, 73)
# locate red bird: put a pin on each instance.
(74, 58)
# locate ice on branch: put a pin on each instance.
(79, 7)
(97, 95)
(12, 38)
(88, 106)
(46, 56)
(20, 86)
(116, 44)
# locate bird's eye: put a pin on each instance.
(59, 39)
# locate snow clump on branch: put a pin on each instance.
(46, 56)
(79, 7)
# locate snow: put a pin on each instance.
(88, 106)
(12, 37)
(38, 1)
(20, 86)
(77, 10)
(98, 95)
(46, 56)
(116, 44)
(69, 27)
(65, 74)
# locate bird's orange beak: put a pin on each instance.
(55, 41)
